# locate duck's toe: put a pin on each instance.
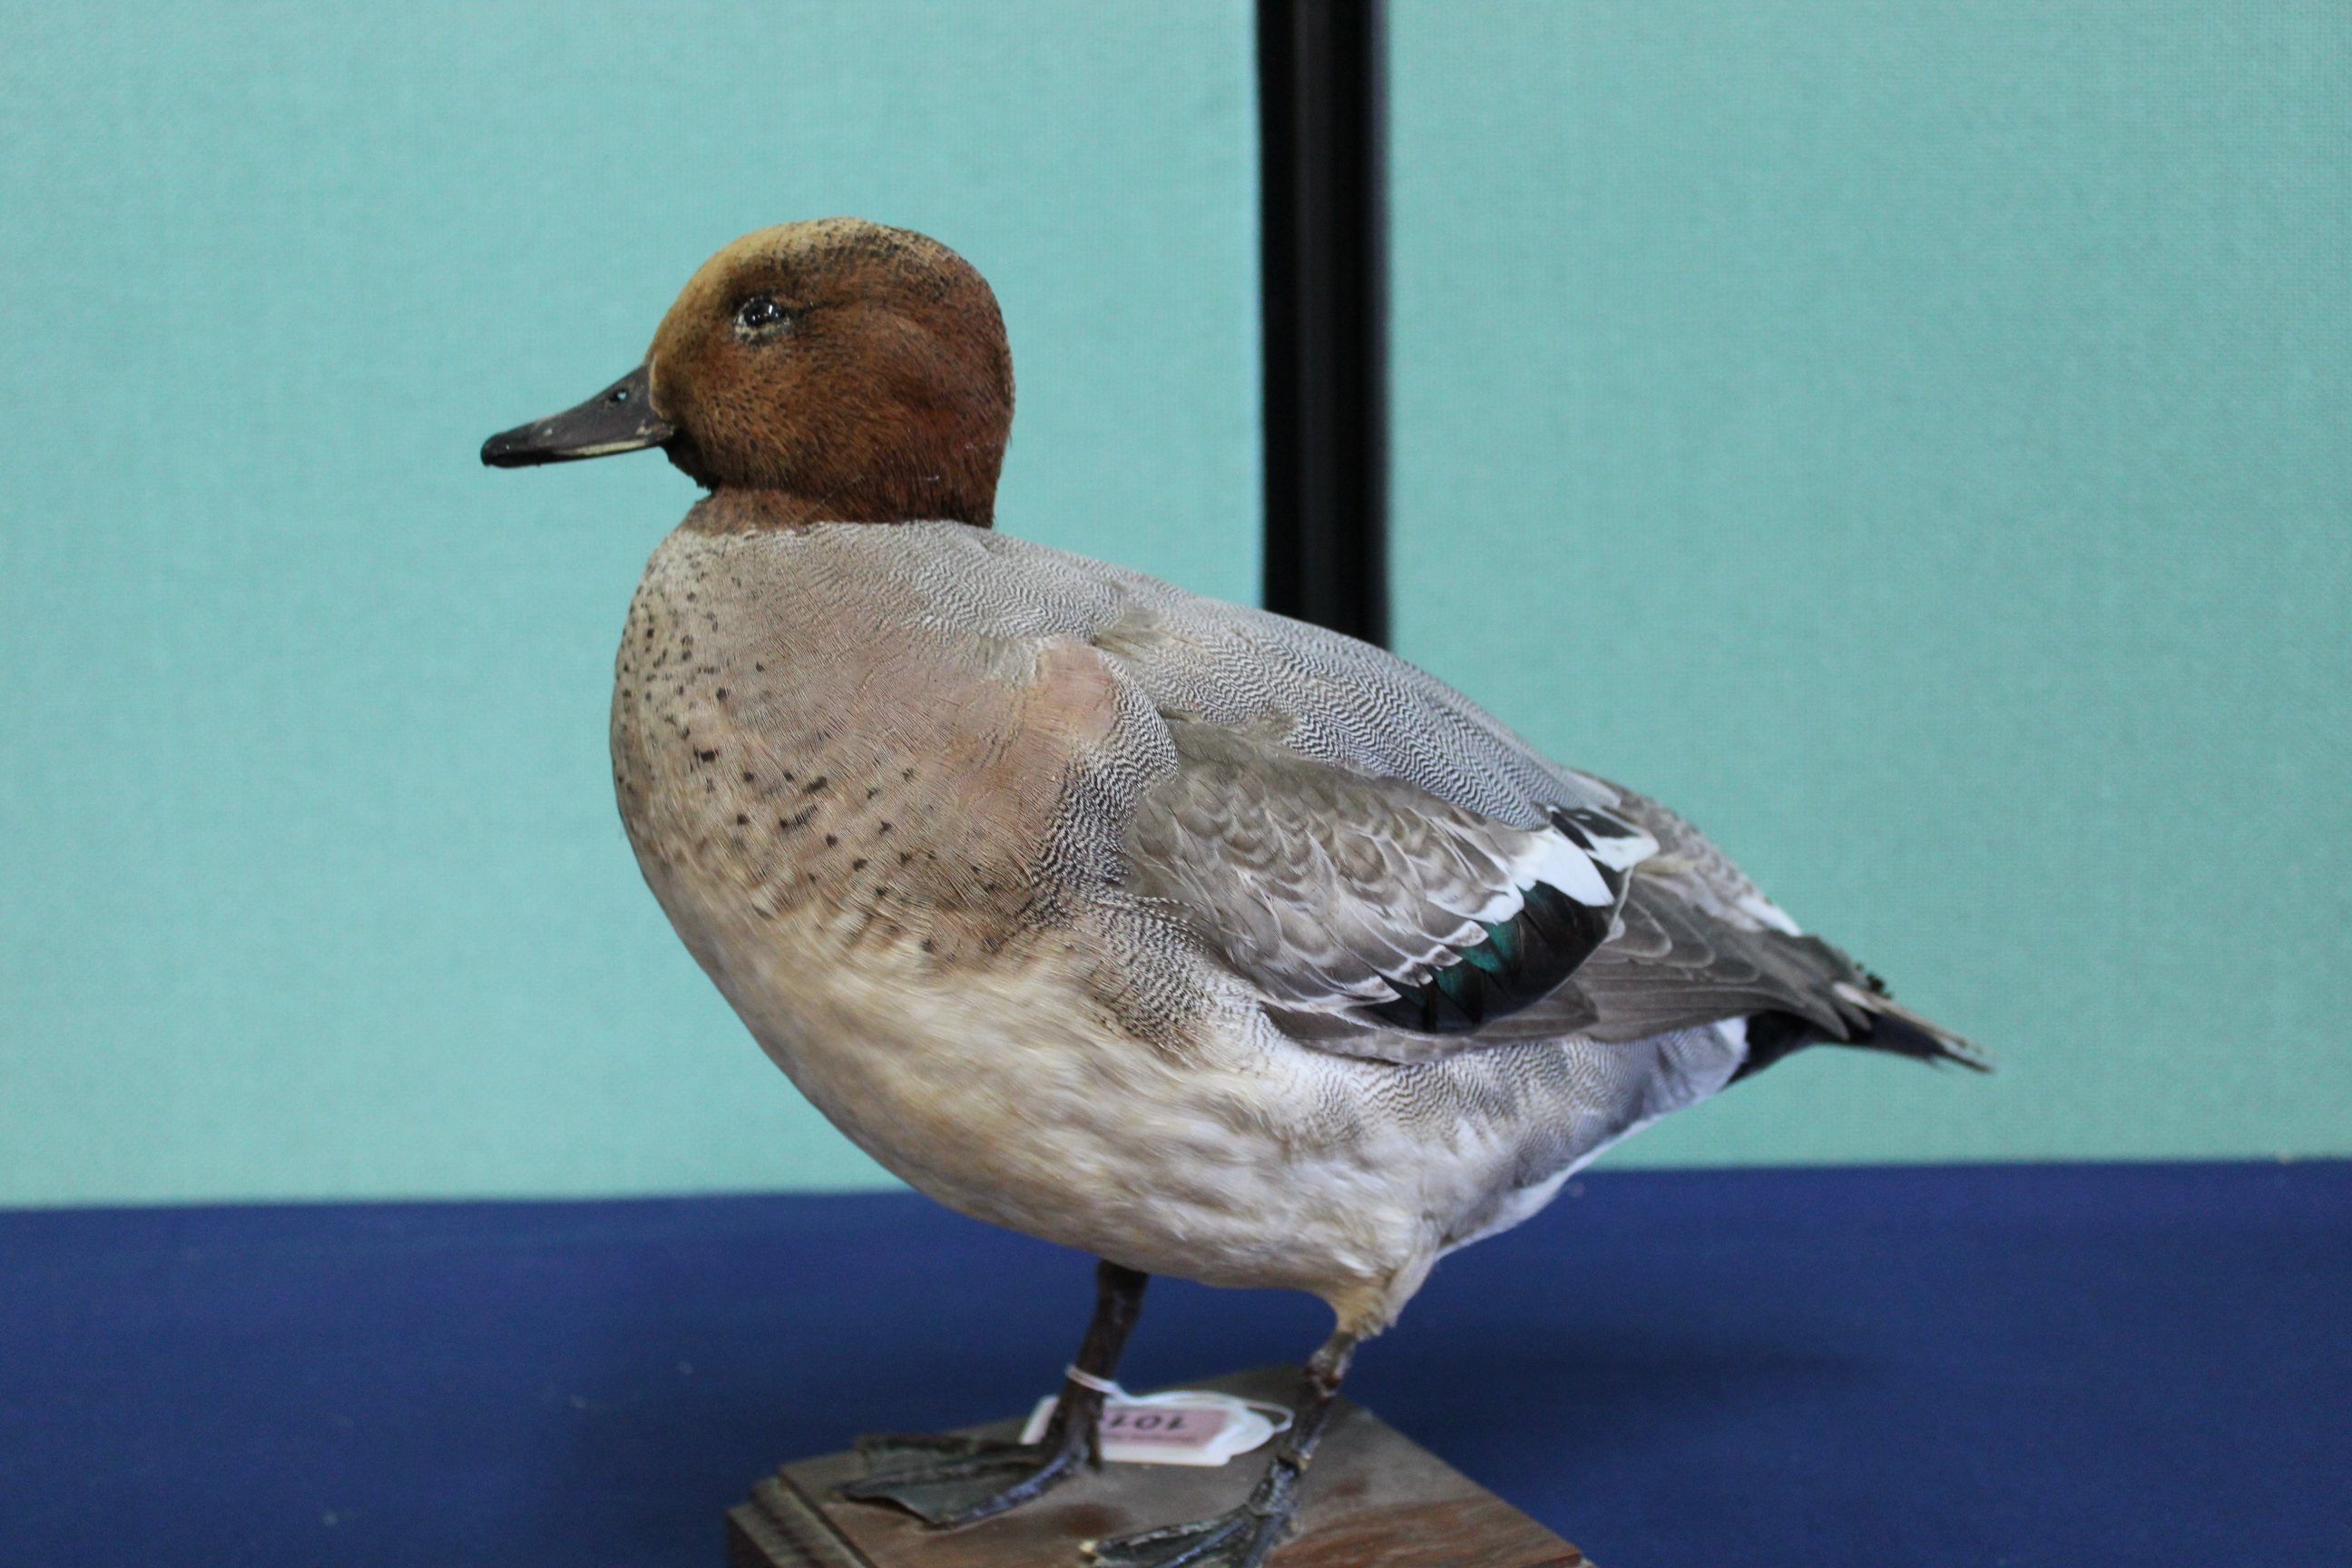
(949, 1480)
(1240, 1538)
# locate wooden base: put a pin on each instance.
(1374, 1500)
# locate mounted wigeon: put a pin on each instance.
(1214, 943)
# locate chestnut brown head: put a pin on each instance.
(859, 371)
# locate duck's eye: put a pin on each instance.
(760, 314)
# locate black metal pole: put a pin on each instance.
(1324, 251)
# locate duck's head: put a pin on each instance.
(859, 373)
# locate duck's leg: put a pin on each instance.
(1244, 1538)
(946, 1481)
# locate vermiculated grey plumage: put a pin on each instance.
(1248, 848)
(1698, 941)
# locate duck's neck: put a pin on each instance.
(734, 509)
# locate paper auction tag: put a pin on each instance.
(1183, 1426)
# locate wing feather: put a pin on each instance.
(1332, 892)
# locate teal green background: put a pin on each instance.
(1911, 440)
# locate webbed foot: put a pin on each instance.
(1241, 1539)
(948, 1480)
(1246, 1536)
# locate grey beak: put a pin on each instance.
(620, 419)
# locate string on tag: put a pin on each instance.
(1099, 1384)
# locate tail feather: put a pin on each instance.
(1886, 1026)
(1894, 1028)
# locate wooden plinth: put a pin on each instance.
(1374, 1500)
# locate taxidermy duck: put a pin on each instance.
(1214, 943)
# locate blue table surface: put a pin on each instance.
(2062, 1365)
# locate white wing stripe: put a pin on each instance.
(1564, 865)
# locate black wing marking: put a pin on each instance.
(1526, 957)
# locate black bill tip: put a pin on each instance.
(618, 419)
